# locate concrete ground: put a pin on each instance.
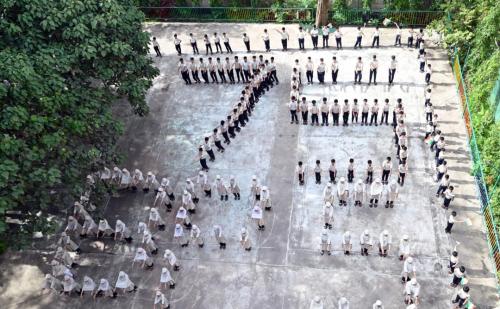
(284, 269)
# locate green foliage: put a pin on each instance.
(473, 31)
(339, 5)
(401, 5)
(64, 64)
(366, 4)
(215, 3)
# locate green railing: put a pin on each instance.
(375, 17)
(287, 15)
(478, 173)
(228, 14)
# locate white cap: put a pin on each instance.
(366, 232)
(378, 303)
(254, 177)
(264, 188)
(116, 168)
(164, 269)
(160, 189)
(218, 177)
(342, 179)
(360, 181)
(317, 299)
(158, 293)
(385, 232)
(329, 185)
(347, 233)
(410, 259)
(177, 226)
(328, 204)
(393, 182)
(188, 180)
(324, 232)
(185, 192)
(231, 177)
(413, 281)
(405, 237)
(200, 173)
(377, 180)
(150, 173)
(343, 300)
(243, 230)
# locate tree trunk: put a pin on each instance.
(322, 12)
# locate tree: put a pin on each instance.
(64, 64)
(322, 12)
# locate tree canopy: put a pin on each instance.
(63, 64)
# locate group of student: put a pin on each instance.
(237, 70)
(414, 39)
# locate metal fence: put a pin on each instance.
(287, 15)
(486, 207)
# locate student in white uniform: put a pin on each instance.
(166, 278)
(309, 71)
(194, 44)
(246, 41)
(412, 292)
(376, 37)
(301, 37)
(245, 240)
(335, 70)
(392, 69)
(358, 71)
(404, 248)
(105, 289)
(196, 236)
(156, 47)
(359, 37)
(343, 303)
(177, 44)
(325, 244)
(217, 43)
(267, 42)
(123, 282)
(88, 286)
(366, 242)
(284, 38)
(161, 301)
(325, 31)
(328, 215)
(208, 45)
(384, 244)
(338, 38)
(225, 39)
(314, 36)
(373, 70)
(346, 243)
(219, 237)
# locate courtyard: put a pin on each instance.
(284, 268)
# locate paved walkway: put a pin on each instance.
(285, 269)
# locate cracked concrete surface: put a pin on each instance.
(284, 269)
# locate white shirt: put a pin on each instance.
(284, 35)
(359, 66)
(301, 34)
(314, 32)
(373, 65)
(393, 64)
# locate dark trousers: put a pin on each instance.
(385, 176)
(358, 42)
(178, 48)
(301, 179)
(314, 119)
(373, 73)
(422, 66)
(350, 176)
(218, 47)
(410, 42)
(373, 118)
(284, 44)
(304, 117)
(339, 43)
(238, 74)
(213, 75)
(230, 74)
(185, 77)
(357, 76)
(196, 77)
(369, 177)
(385, 118)
(441, 190)
(448, 227)
(325, 41)
(207, 47)
(332, 176)
(324, 118)
(204, 74)
(247, 45)
(335, 119)
(398, 40)
(293, 116)
(195, 48)
(376, 40)
(401, 178)
(427, 78)
(226, 138)
(301, 43)
(334, 76)
(246, 74)
(203, 163)
(309, 75)
(364, 118)
(392, 72)
(318, 177)
(157, 50)
(321, 77)
(354, 117)
(345, 118)
(274, 76)
(428, 117)
(228, 47)
(267, 44)
(218, 144)
(417, 45)
(315, 42)
(222, 76)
